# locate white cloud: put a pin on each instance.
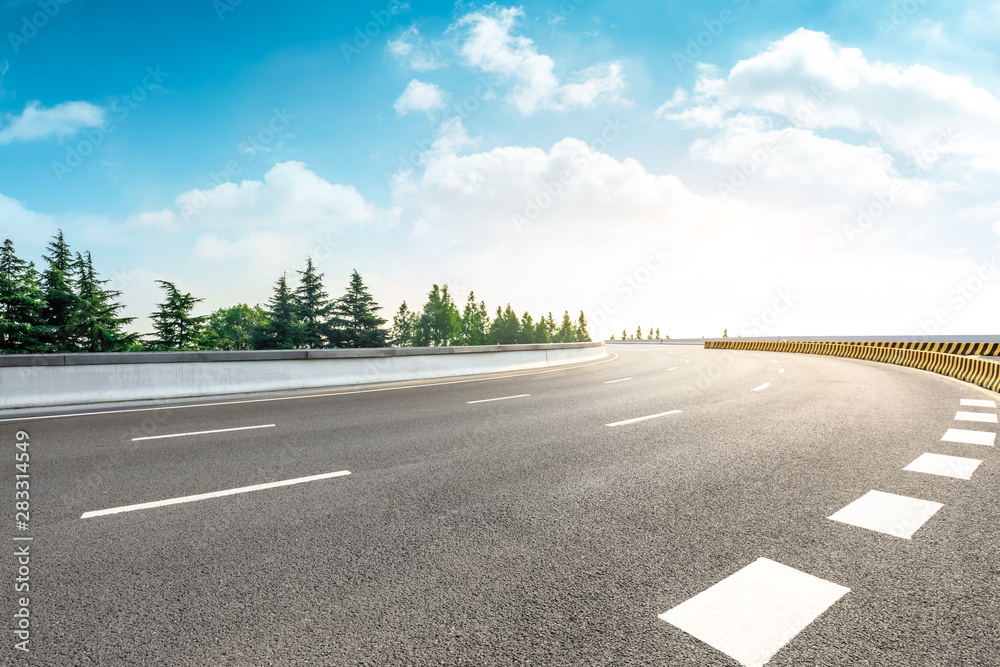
(409, 45)
(488, 44)
(37, 122)
(419, 96)
(805, 79)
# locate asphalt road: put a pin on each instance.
(522, 531)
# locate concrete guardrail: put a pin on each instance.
(44, 380)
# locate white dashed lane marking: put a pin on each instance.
(946, 466)
(502, 398)
(762, 387)
(219, 430)
(672, 369)
(642, 419)
(214, 494)
(978, 403)
(888, 513)
(753, 613)
(984, 417)
(970, 437)
(781, 370)
(618, 380)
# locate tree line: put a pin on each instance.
(638, 335)
(66, 307)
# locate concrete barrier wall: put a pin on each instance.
(982, 372)
(51, 379)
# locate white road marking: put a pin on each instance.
(299, 397)
(775, 361)
(502, 398)
(618, 380)
(672, 369)
(642, 419)
(220, 430)
(214, 494)
(970, 437)
(888, 513)
(753, 613)
(978, 403)
(781, 370)
(985, 417)
(946, 466)
(762, 387)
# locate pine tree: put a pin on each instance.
(566, 333)
(355, 320)
(234, 328)
(404, 327)
(474, 323)
(439, 321)
(657, 333)
(176, 328)
(580, 332)
(282, 330)
(526, 329)
(550, 327)
(98, 326)
(624, 334)
(314, 307)
(725, 333)
(60, 312)
(541, 331)
(21, 303)
(638, 333)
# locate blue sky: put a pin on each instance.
(680, 165)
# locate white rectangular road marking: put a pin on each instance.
(672, 369)
(220, 430)
(970, 437)
(978, 403)
(753, 613)
(214, 494)
(502, 398)
(984, 417)
(888, 513)
(618, 380)
(946, 466)
(781, 370)
(642, 419)
(762, 387)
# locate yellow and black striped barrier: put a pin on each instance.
(958, 365)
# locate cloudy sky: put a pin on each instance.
(774, 168)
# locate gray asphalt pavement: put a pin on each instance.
(511, 532)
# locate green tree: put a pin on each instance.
(550, 327)
(404, 327)
(474, 323)
(506, 327)
(283, 330)
(439, 322)
(624, 334)
(60, 312)
(580, 330)
(526, 330)
(566, 333)
(98, 325)
(176, 328)
(21, 303)
(355, 317)
(234, 328)
(657, 333)
(725, 333)
(638, 333)
(541, 331)
(314, 307)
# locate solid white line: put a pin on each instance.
(642, 419)
(762, 387)
(502, 398)
(970, 437)
(221, 430)
(887, 513)
(618, 380)
(305, 396)
(751, 614)
(214, 494)
(945, 466)
(985, 417)
(978, 403)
